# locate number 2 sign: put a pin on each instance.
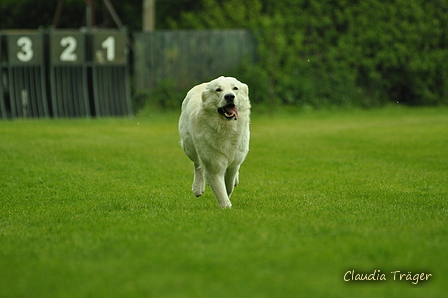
(67, 47)
(70, 44)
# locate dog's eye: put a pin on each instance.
(218, 90)
(235, 88)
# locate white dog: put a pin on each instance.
(214, 128)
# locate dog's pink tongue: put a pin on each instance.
(231, 111)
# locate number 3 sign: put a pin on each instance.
(26, 52)
(25, 49)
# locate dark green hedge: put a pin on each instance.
(340, 53)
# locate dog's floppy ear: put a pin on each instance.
(246, 101)
(245, 88)
(205, 93)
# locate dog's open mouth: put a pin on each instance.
(229, 111)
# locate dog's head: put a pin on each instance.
(226, 96)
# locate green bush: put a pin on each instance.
(339, 53)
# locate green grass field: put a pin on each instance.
(103, 208)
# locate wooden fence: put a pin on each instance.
(189, 57)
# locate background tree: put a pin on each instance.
(333, 52)
(32, 14)
(311, 53)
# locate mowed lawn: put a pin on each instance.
(104, 208)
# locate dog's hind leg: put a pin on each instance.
(199, 182)
(218, 186)
(231, 179)
(237, 178)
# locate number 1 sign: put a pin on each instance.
(109, 47)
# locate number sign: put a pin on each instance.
(109, 47)
(67, 47)
(25, 49)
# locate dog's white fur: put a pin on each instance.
(215, 144)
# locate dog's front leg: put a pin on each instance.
(199, 182)
(217, 184)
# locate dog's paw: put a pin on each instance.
(198, 193)
(226, 205)
(198, 190)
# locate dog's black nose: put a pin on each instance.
(229, 97)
